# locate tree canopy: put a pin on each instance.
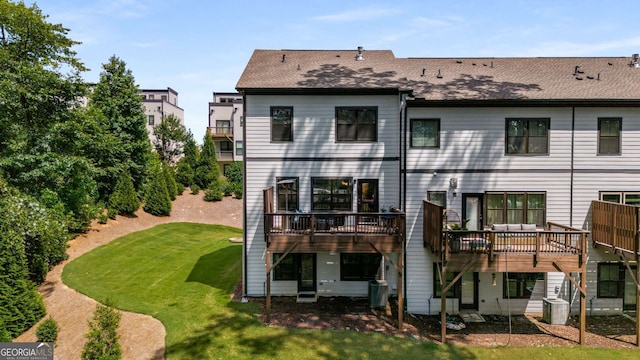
(116, 97)
(169, 138)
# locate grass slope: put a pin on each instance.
(183, 274)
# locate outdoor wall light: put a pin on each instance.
(493, 279)
(453, 183)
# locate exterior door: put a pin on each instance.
(307, 272)
(469, 291)
(368, 195)
(472, 211)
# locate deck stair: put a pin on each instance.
(307, 297)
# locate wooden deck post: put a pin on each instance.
(443, 307)
(637, 257)
(583, 304)
(637, 294)
(268, 301)
(400, 291)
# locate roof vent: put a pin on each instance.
(359, 57)
(635, 60)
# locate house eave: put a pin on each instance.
(421, 102)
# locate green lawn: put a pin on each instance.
(183, 274)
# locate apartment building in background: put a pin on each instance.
(225, 127)
(159, 103)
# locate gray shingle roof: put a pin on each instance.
(603, 78)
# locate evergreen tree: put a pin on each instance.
(157, 201)
(117, 98)
(169, 179)
(185, 171)
(124, 199)
(102, 338)
(207, 170)
(21, 305)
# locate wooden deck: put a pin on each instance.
(519, 251)
(554, 248)
(338, 232)
(294, 232)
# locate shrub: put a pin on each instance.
(195, 189)
(47, 331)
(102, 218)
(213, 195)
(4, 334)
(234, 172)
(111, 214)
(157, 200)
(180, 188)
(237, 190)
(124, 200)
(170, 180)
(102, 338)
(184, 173)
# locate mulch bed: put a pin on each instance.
(355, 314)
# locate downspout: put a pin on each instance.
(403, 186)
(244, 197)
(573, 133)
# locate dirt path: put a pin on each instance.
(142, 336)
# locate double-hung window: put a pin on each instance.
(609, 130)
(527, 136)
(438, 197)
(357, 123)
(516, 208)
(425, 133)
(239, 148)
(520, 285)
(281, 123)
(285, 270)
(454, 291)
(359, 267)
(610, 280)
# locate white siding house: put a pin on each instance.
(492, 140)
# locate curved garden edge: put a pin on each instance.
(141, 336)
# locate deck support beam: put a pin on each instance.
(399, 270)
(443, 297)
(582, 286)
(269, 268)
(635, 277)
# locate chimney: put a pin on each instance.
(359, 57)
(635, 63)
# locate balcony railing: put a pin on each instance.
(327, 224)
(224, 155)
(221, 131)
(560, 240)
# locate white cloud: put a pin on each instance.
(360, 14)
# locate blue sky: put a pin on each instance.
(198, 47)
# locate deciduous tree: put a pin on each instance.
(169, 138)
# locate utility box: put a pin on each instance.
(378, 293)
(555, 311)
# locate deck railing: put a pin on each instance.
(338, 223)
(559, 242)
(616, 225)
